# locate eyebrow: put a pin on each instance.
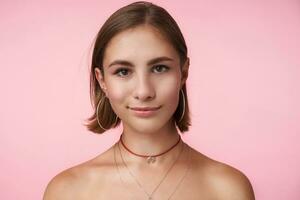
(150, 62)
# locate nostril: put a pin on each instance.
(144, 93)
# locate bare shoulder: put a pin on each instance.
(76, 182)
(225, 181)
(62, 185)
(230, 183)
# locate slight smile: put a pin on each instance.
(144, 111)
(145, 108)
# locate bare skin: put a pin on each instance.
(98, 179)
(136, 83)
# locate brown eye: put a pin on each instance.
(160, 68)
(122, 72)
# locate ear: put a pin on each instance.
(185, 71)
(100, 80)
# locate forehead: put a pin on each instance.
(139, 44)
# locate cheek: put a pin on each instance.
(115, 92)
(169, 90)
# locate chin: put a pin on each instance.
(147, 126)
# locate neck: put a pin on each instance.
(151, 143)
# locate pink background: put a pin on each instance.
(243, 89)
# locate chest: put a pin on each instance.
(190, 188)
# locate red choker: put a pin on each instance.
(150, 158)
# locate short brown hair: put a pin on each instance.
(130, 16)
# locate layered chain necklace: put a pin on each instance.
(150, 195)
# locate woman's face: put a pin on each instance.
(142, 69)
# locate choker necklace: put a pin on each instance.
(150, 158)
(150, 195)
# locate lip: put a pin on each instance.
(144, 108)
(144, 111)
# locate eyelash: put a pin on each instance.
(166, 68)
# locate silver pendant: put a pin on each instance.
(151, 159)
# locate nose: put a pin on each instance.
(144, 89)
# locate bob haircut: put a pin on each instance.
(127, 17)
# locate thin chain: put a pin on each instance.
(118, 171)
(117, 164)
(139, 184)
(118, 167)
(182, 178)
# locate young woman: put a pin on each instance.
(138, 75)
